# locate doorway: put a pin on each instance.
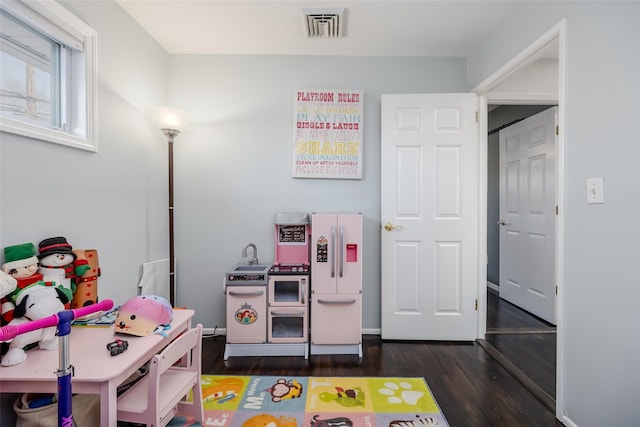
(534, 77)
(522, 342)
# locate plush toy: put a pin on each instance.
(21, 263)
(8, 284)
(59, 264)
(87, 283)
(36, 301)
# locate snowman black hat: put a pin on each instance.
(55, 245)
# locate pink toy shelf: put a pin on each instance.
(292, 238)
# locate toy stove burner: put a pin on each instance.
(284, 269)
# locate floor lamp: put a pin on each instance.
(170, 121)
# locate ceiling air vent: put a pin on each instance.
(323, 23)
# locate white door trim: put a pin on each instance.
(555, 36)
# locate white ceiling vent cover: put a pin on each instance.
(323, 23)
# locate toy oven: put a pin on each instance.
(288, 324)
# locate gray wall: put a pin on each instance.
(233, 165)
(600, 326)
(113, 200)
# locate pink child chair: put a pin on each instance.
(164, 391)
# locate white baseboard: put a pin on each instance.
(493, 286)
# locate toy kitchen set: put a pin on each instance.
(309, 301)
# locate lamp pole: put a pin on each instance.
(170, 121)
(171, 134)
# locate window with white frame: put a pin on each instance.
(47, 73)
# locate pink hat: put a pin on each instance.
(141, 315)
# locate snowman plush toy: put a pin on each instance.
(58, 264)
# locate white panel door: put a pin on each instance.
(527, 214)
(429, 211)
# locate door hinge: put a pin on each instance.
(556, 290)
(477, 117)
(556, 209)
(476, 305)
(557, 130)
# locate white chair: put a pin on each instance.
(163, 392)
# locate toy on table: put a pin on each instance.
(144, 315)
(58, 263)
(99, 319)
(36, 301)
(86, 292)
(21, 263)
(118, 346)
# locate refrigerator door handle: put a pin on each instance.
(333, 251)
(336, 302)
(341, 250)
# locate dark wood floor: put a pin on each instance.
(471, 387)
(503, 316)
(526, 341)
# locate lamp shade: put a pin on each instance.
(167, 117)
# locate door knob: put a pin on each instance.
(502, 222)
(388, 226)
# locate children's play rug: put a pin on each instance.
(265, 401)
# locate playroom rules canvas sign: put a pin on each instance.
(327, 134)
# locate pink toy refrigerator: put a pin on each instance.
(336, 284)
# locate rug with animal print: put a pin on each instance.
(265, 401)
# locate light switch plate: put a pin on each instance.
(595, 190)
